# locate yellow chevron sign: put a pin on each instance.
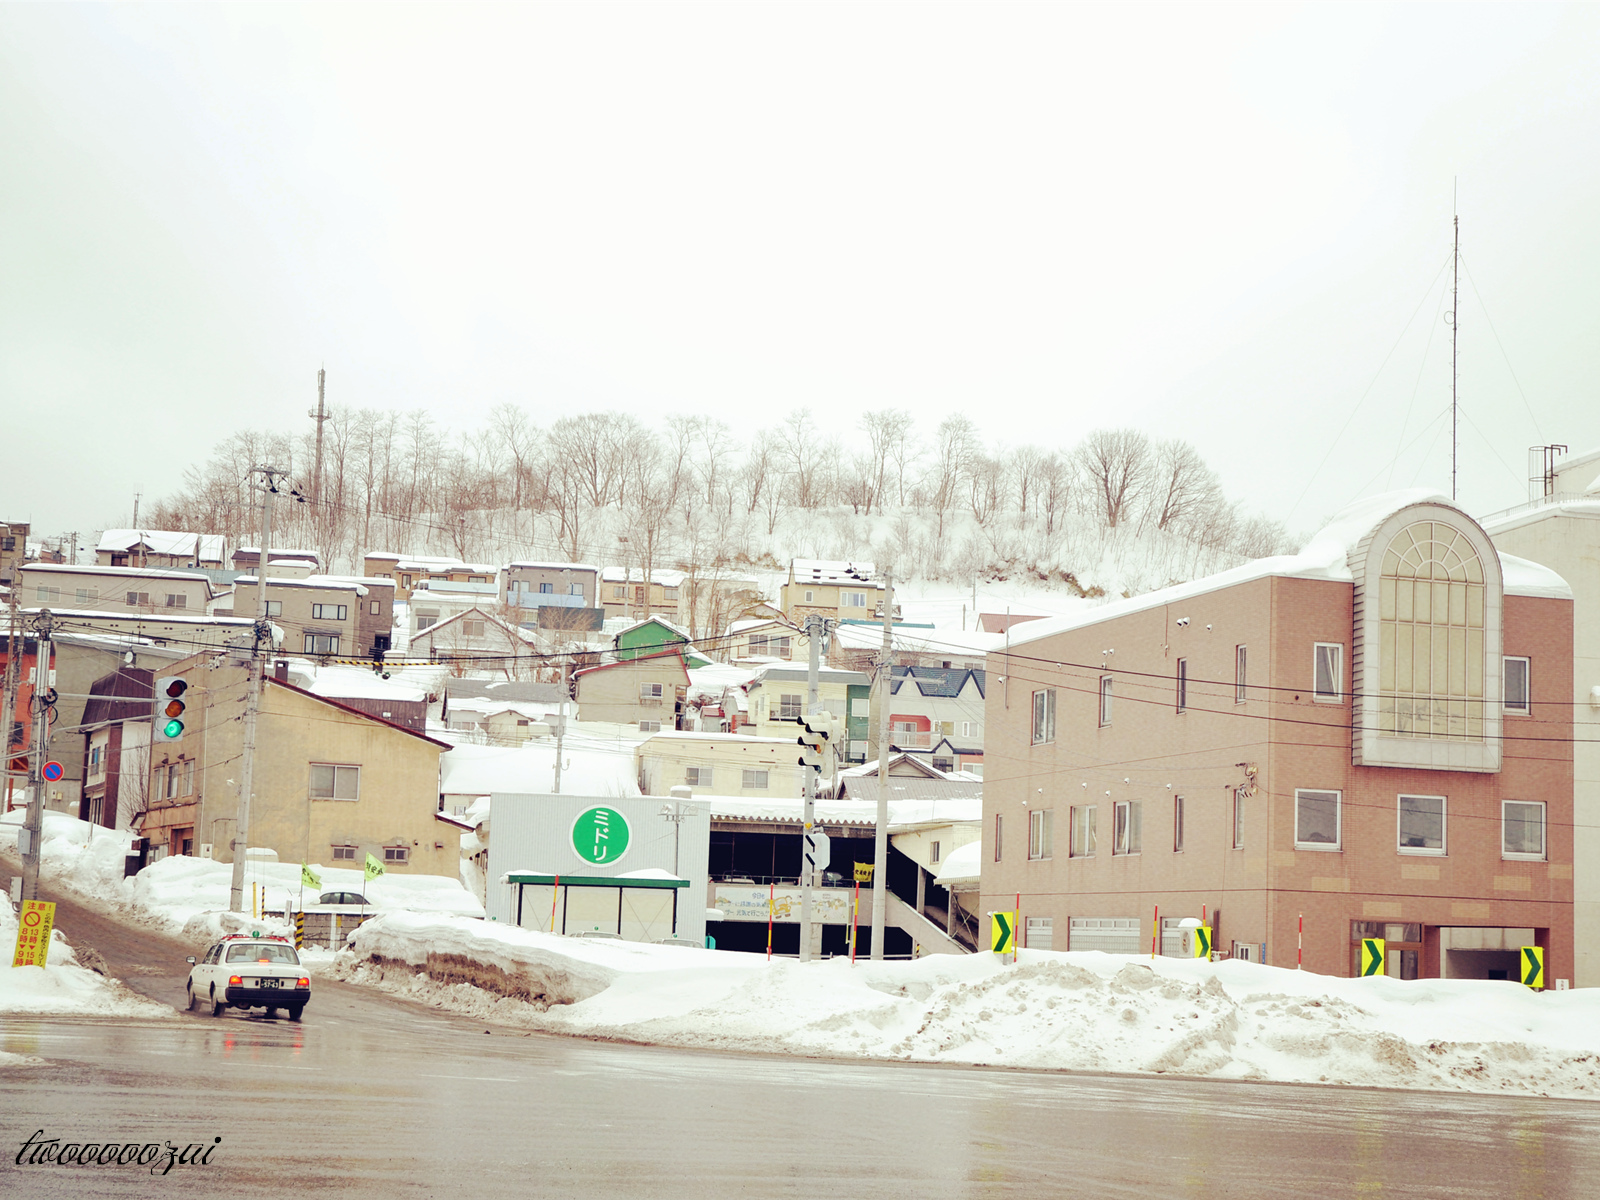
(1533, 966)
(1202, 942)
(1003, 935)
(1372, 956)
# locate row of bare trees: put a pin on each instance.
(691, 494)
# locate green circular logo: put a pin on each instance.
(600, 835)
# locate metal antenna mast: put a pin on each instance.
(1455, 327)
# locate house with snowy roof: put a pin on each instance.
(819, 587)
(1374, 736)
(161, 548)
(482, 644)
(654, 635)
(630, 592)
(935, 713)
(647, 691)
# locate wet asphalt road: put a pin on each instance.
(374, 1096)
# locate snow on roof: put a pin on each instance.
(636, 575)
(164, 541)
(310, 581)
(438, 586)
(117, 572)
(715, 678)
(1532, 514)
(549, 566)
(964, 864)
(792, 674)
(745, 623)
(690, 735)
(276, 552)
(904, 814)
(661, 621)
(482, 770)
(971, 642)
(1325, 556)
(820, 570)
(338, 681)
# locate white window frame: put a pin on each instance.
(1443, 848)
(1300, 843)
(811, 597)
(473, 629)
(344, 853)
(274, 608)
(1335, 669)
(333, 782)
(1085, 831)
(1044, 716)
(651, 693)
(1241, 673)
(1041, 823)
(999, 829)
(1105, 700)
(1182, 677)
(1544, 833)
(1239, 798)
(396, 854)
(649, 726)
(933, 851)
(755, 778)
(1506, 706)
(1040, 933)
(373, 608)
(1127, 827)
(790, 706)
(852, 599)
(1177, 824)
(699, 776)
(177, 600)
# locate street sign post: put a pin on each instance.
(52, 771)
(34, 923)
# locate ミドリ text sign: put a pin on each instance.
(34, 923)
(600, 835)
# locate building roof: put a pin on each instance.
(915, 787)
(126, 694)
(660, 575)
(903, 814)
(944, 643)
(549, 566)
(366, 716)
(676, 652)
(277, 552)
(508, 690)
(819, 570)
(164, 541)
(947, 682)
(333, 582)
(168, 573)
(777, 674)
(1326, 556)
(458, 587)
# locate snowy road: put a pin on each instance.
(374, 1096)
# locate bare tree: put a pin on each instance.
(1116, 464)
(801, 443)
(1025, 463)
(986, 486)
(1055, 483)
(1182, 486)
(957, 442)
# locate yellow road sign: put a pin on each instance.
(1202, 942)
(1003, 936)
(1533, 966)
(34, 923)
(1372, 956)
(863, 872)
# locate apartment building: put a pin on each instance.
(144, 591)
(321, 615)
(1374, 735)
(161, 548)
(841, 590)
(410, 571)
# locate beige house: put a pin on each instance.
(777, 697)
(719, 764)
(840, 590)
(320, 615)
(758, 638)
(412, 570)
(332, 784)
(161, 548)
(625, 592)
(647, 691)
(482, 644)
(147, 592)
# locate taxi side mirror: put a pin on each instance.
(190, 960)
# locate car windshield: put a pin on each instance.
(262, 952)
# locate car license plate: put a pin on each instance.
(268, 983)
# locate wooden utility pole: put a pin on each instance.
(8, 707)
(880, 838)
(319, 416)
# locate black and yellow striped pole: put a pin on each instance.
(299, 931)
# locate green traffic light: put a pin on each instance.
(172, 729)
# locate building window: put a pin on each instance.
(852, 599)
(649, 726)
(1127, 834)
(788, 708)
(575, 589)
(1516, 686)
(1105, 699)
(174, 778)
(997, 827)
(425, 619)
(329, 612)
(1422, 824)
(971, 729)
(779, 647)
(1240, 659)
(1039, 823)
(174, 600)
(1316, 820)
(698, 776)
(1083, 831)
(1238, 818)
(472, 629)
(1183, 684)
(1327, 672)
(933, 851)
(620, 592)
(1041, 933)
(1522, 829)
(396, 854)
(135, 599)
(186, 788)
(94, 760)
(943, 764)
(651, 693)
(274, 608)
(1044, 716)
(1431, 628)
(86, 594)
(331, 781)
(669, 593)
(344, 854)
(755, 779)
(547, 589)
(52, 595)
(373, 608)
(322, 643)
(810, 597)
(1177, 824)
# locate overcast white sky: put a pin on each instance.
(1213, 223)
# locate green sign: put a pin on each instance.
(600, 835)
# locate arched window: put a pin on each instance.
(1431, 635)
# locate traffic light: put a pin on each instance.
(817, 742)
(167, 719)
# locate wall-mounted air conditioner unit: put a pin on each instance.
(205, 849)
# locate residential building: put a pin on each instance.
(719, 764)
(433, 601)
(331, 784)
(320, 615)
(481, 643)
(707, 603)
(281, 560)
(647, 691)
(653, 636)
(857, 646)
(160, 548)
(777, 698)
(159, 629)
(19, 738)
(13, 549)
(1560, 529)
(410, 571)
(936, 714)
(626, 592)
(1374, 735)
(529, 586)
(765, 638)
(116, 750)
(841, 590)
(147, 592)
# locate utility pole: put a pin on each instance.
(319, 416)
(8, 707)
(815, 628)
(261, 632)
(43, 703)
(880, 838)
(1455, 329)
(561, 726)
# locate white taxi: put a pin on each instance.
(250, 970)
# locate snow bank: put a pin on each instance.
(64, 988)
(1073, 1011)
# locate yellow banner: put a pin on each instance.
(864, 872)
(34, 923)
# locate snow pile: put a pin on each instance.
(65, 987)
(1076, 1011)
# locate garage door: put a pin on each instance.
(1114, 935)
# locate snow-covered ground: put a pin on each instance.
(64, 988)
(1076, 1011)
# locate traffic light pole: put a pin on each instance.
(262, 631)
(42, 702)
(880, 838)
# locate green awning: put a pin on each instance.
(616, 881)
